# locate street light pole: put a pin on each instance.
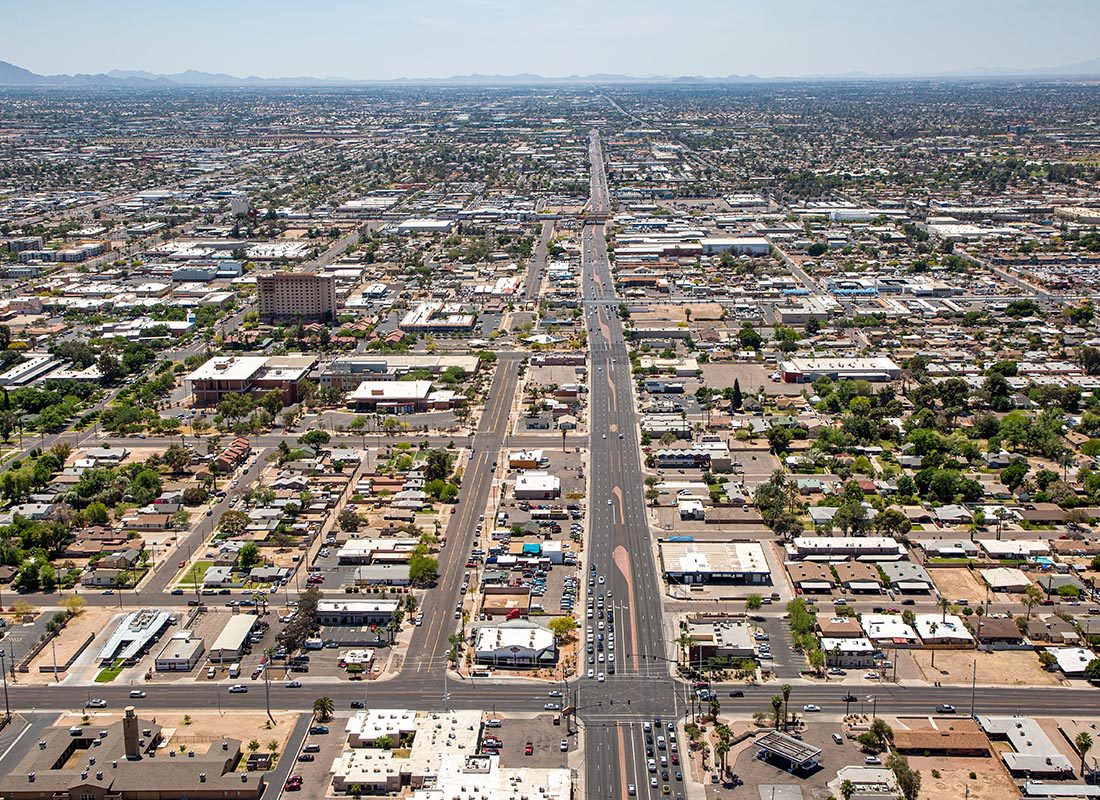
(4, 675)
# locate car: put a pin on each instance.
(528, 749)
(600, 678)
(96, 702)
(871, 676)
(552, 706)
(610, 502)
(872, 760)
(838, 738)
(238, 688)
(563, 745)
(664, 789)
(358, 704)
(945, 708)
(737, 693)
(849, 698)
(137, 694)
(293, 783)
(294, 685)
(591, 672)
(653, 782)
(811, 707)
(554, 693)
(631, 789)
(307, 757)
(182, 564)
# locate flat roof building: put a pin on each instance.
(715, 562)
(808, 370)
(230, 642)
(307, 296)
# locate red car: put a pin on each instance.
(528, 749)
(293, 783)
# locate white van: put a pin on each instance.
(235, 670)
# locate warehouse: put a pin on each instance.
(808, 370)
(182, 653)
(231, 641)
(715, 562)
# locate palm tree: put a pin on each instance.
(273, 748)
(786, 689)
(253, 746)
(323, 708)
(847, 789)
(721, 750)
(1083, 743)
(944, 604)
(777, 708)
(685, 641)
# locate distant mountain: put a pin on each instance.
(12, 75)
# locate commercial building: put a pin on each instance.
(225, 375)
(515, 645)
(808, 370)
(840, 548)
(307, 296)
(391, 397)
(231, 641)
(715, 637)
(438, 318)
(537, 485)
(182, 653)
(124, 761)
(355, 612)
(133, 636)
(715, 562)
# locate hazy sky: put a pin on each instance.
(429, 38)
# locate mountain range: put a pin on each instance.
(12, 75)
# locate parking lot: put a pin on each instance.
(544, 736)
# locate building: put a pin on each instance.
(715, 562)
(391, 397)
(182, 653)
(231, 641)
(307, 296)
(1032, 754)
(718, 638)
(133, 636)
(840, 548)
(225, 375)
(808, 370)
(516, 644)
(123, 760)
(537, 485)
(438, 318)
(355, 612)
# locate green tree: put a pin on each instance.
(562, 627)
(1083, 743)
(249, 556)
(754, 602)
(315, 439)
(323, 709)
(423, 570)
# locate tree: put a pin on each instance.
(315, 439)
(881, 731)
(176, 457)
(349, 520)
(786, 689)
(323, 709)
(1033, 596)
(847, 789)
(234, 521)
(777, 708)
(779, 439)
(437, 465)
(754, 602)
(249, 556)
(908, 780)
(423, 570)
(73, 604)
(1083, 743)
(736, 399)
(562, 627)
(1092, 670)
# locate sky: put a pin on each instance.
(382, 39)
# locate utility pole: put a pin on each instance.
(267, 684)
(973, 687)
(4, 675)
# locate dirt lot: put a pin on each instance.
(90, 621)
(543, 734)
(1009, 668)
(959, 583)
(205, 728)
(751, 378)
(992, 782)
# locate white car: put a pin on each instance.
(809, 707)
(591, 673)
(600, 678)
(871, 676)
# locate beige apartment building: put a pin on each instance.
(297, 295)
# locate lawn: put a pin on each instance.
(196, 573)
(108, 674)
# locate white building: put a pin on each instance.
(230, 642)
(516, 644)
(537, 485)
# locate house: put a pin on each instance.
(848, 652)
(122, 559)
